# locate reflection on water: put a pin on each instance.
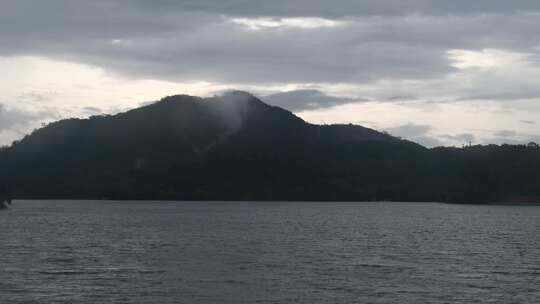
(162, 252)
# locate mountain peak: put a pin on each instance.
(235, 98)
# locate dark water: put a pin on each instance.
(160, 252)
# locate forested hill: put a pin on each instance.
(235, 147)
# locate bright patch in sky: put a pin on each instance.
(269, 23)
(39, 81)
(487, 58)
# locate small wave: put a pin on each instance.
(152, 271)
(67, 272)
(367, 265)
(60, 260)
(232, 282)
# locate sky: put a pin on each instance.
(434, 71)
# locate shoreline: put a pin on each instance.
(273, 201)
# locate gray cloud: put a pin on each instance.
(429, 141)
(9, 118)
(409, 129)
(310, 99)
(424, 134)
(12, 117)
(417, 133)
(463, 137)
(92, 110)
(193, 40)
(505, 133)
(337, 8)
(15, 122)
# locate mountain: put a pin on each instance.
(236, 147)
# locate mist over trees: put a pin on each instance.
(235, 147)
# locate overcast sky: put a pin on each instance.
(435, 71)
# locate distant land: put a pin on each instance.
(236, 147)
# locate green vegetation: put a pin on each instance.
(236, 147)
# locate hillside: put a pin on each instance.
(235, 147)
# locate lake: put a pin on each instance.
(264, 252)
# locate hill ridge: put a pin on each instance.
(236, 147)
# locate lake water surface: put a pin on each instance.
(242, 252)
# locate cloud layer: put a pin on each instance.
(299, 41)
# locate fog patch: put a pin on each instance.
(231, 107)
